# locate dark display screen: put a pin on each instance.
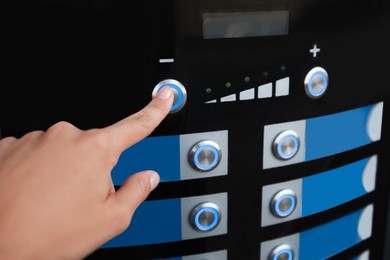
(245, 24)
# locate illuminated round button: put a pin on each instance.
(205, 216)
(282, 252)
(283, 203)
(205, 155)
(286, 145)
(316, 82)
(180, 93)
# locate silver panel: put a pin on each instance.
(217, 255)
(365, 256)
(374, 122)
(187, 141)
(187, 206)
(267, 217)
(271, 132)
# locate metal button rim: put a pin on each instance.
(193, 152)
(283, 248)
(279, 195)
(308, 80)
(179, 89)
(278, 140)
(198, 208)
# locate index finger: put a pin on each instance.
(137, 126)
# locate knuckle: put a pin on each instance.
(61, 127)
(31, 135)
(8, 139)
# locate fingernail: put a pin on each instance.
(154, 180)
(165, 93)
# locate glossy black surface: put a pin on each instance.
(94, 62)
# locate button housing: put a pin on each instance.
(283, 203)
(205, 216)
(316, 82)
(189, 209)
(205, 155)
(286, 145)
(282, 252)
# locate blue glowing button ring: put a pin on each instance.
(286, 145)
(205, 155)
(282, 252)
(205, 217)
(316, 82)
(283, 203)
(180, 93)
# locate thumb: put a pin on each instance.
(136, 188)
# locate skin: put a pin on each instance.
(57, 199)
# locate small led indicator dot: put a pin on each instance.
(247, 79)
(208, 90)
(265, 73)
(228, 84)
(283, 68)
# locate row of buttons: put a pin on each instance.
(206, 155)
(206, 216)
(315, 82)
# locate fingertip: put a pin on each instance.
(165, 93)
(154, 179)
(137, 188)
(164, 99)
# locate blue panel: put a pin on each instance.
(161, 154)
(154, 222)
(331, 238)
(336, 133)
(332, 188)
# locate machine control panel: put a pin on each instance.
(275, 146)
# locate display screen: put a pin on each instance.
(245, 24)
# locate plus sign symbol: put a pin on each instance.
(315, 50)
